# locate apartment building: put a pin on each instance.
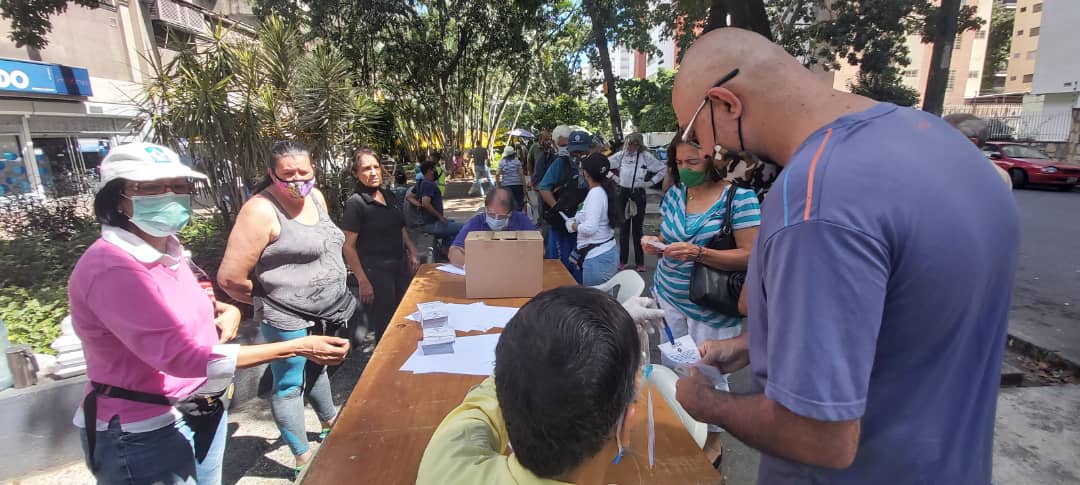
(62, 107)
(965, 66)
(1024, 51)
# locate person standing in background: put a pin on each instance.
(377, 246)
(511, 174)
(595, 223)
(481, 171)
(632, 164)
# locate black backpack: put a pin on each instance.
(569, 194)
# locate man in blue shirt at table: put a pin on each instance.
(878, 296)
(563, 189)
(498, 215)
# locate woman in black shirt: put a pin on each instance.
(377, 246)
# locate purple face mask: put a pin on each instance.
(295, 188)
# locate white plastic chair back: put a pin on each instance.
(663, 379)
(628, 283)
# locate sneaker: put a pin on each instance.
(622, 266)
(641, 268)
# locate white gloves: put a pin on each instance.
(570, 225)
(645, 313)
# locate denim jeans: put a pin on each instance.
(600, 268)
(483, 178)
(287, 402)
(559, 246)
(443, 230)
(165, 455)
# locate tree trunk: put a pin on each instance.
(745, 14)
(521, 104)
(600, 38)
(941, 57)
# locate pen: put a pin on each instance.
(667, 330)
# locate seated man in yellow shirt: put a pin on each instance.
(563, 393)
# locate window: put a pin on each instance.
(1034, 32)
(952, 80)
(956, 42)
(1016, 55)
(1012, 78)
(1031, 54)
(973, 74)
(1023, 9)
(1028, 77)
(911, 73)
(1036, 8)
(1019, 33)
(980, 34)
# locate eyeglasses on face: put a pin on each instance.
(158, 188)
(688, 132)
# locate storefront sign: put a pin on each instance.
(41, 78)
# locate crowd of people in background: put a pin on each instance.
(840, 286)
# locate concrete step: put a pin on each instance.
(1011, 376)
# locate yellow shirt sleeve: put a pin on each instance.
(467, 446)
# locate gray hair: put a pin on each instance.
(970, 125)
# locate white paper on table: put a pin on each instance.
(684, 354)
(657, 244)
(472, 356)
(474, 317)
(449, 268)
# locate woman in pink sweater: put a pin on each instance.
(153, 339)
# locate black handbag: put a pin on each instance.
(718, 289)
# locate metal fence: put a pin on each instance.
(1011, 122)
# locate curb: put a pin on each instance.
(1026, 348)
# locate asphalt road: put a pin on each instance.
(1046, 291)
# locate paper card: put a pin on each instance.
(449, 268)
(657, 244)
(684, 355)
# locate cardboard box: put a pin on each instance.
(504, 264)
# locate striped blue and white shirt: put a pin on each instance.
(672, 278)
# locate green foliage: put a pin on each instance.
(887, 87)
(33, 316)
(998, 44)
(226, 101)
(42, 241)
(591, 114)
(658, 117)
(206, 237)
(648, 101)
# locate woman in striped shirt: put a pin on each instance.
(692, 213)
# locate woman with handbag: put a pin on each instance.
(633, 165)
(159, 370)
(284, 256)
(595, 223)
(694, 211)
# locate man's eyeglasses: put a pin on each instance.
(158, 188)
(497, 217)
(688, 132)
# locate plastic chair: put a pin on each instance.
(663, 379)
(628, 282)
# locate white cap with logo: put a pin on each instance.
(143, 162)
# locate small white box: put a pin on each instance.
(438, 340)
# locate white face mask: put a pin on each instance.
(564, 151)
(497, 224)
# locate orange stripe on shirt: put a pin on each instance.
(810, 181)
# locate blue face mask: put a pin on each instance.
(160, 215)
(496, 224)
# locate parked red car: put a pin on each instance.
(1029, 165)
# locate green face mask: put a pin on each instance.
(161, 215)
(691, 178)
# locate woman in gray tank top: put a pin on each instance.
(284, 257)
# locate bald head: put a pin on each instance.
(773, 99)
